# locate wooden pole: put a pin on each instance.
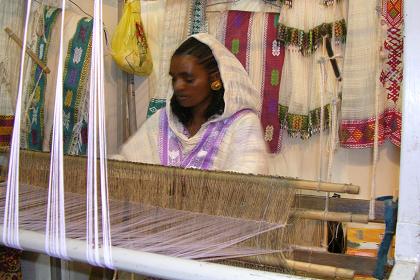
(28, 50)
(331, 216)
(314, 269)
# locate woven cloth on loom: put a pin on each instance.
(300, 100)
(372, 78)
(251, 37)
(246, 204)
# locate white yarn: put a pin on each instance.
(96, 135)
(55, 235)
(11, 212)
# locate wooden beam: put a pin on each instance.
(355, 206)
(360, 264)
(28, 50)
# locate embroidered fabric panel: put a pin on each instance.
(307, 42)
(304, 125)
(203, 154)
(154, 105)
(35, 124)
(197, 22)
(289, 3)
(274, 59)
(238, 39)
(360, 133)
(392, 74)
(6, 129)
(76, 73)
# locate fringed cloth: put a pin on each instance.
(372, 78)
(251, 37)
(303, 97)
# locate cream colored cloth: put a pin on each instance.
(242, 148)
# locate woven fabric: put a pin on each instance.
(175, 20)
(6, 129)
(372, 78)
(76, 72)
(197, 18)
(251, 37)
(35, 113)
(303, 95)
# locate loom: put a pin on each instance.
(268, 200)
(185, 204)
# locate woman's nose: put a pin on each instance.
(178, 84)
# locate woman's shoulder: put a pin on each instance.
(246, 116)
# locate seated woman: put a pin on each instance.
(212, 120)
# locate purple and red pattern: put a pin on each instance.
(237, 40)
(361, 133)
(273, 67)
(237, 35)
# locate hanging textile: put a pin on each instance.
(303, 98)
(35, 121)
(76, 72)
(392, 72)
(176, 15)
(372, 78)
(289, 3)
(251, 37)
(197, 18)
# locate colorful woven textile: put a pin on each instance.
(176, 20)
(251, 37)
(35, 122)
(76, 72)
(305, 86)
(392, 72)
(289, 3)
(197, 20)
(6, 129)
(308, 41)
(154, 105)
(372, 88)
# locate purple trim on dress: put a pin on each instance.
(203, 154)
(163, 138)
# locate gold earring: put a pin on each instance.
(216, 85)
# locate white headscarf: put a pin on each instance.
(239, 93)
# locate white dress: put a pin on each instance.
(238, 145)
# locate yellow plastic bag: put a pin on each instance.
(129, 45)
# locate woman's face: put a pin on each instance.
(190, 82)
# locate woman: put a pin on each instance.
(212, 120)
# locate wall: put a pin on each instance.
(299, 158)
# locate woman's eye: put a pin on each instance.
(190, 81)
